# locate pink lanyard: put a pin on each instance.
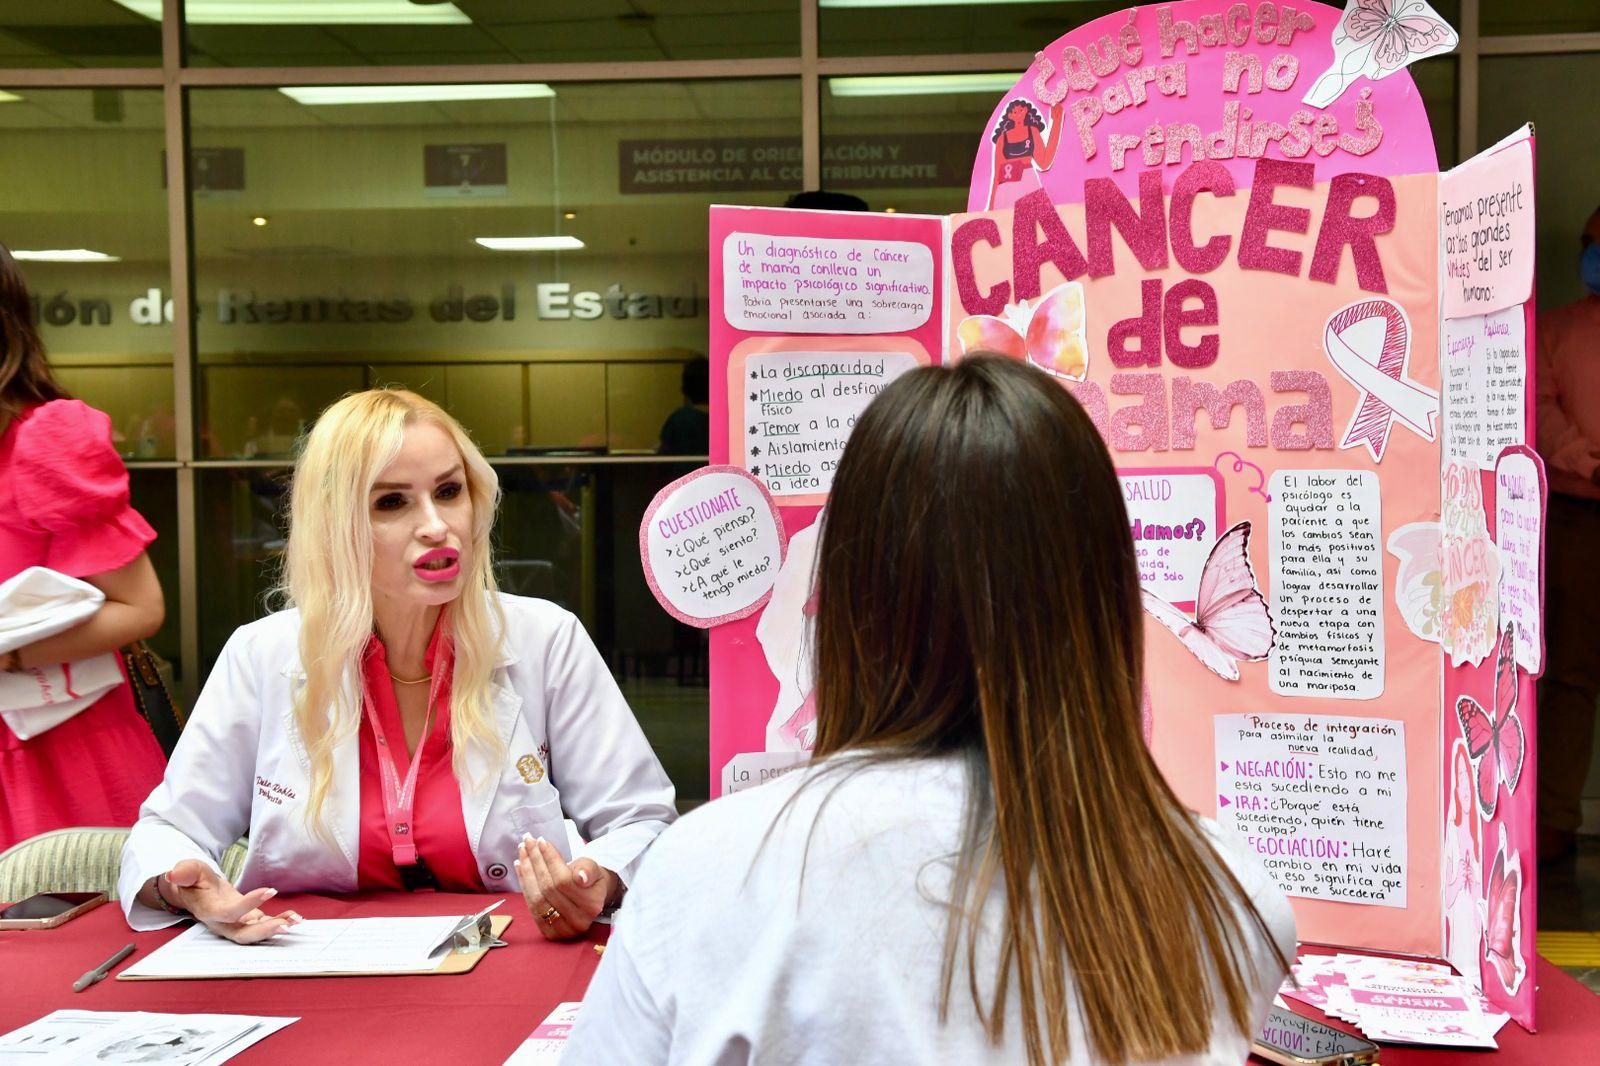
(399, 799)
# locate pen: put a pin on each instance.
(100, 972)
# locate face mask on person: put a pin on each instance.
(1589, 267)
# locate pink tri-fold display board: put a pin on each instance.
(1222, 227)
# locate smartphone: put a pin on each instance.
(1292, 1039)
(49, 909)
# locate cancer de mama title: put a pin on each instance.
(1157, 234)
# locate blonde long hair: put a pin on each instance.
(327, 574)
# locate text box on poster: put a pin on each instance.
(1486, 228)
(1326, 554)
(751, 768)
(825, 284)
(1519, 504)
(711, 543)
(802, 407)
(1320, 799)
(1175, 515)
(1485, 386)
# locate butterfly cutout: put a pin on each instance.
(1231, 623)
(1375, 38)
(1419, 581)
(1049, 333)
(1495, 744)
(1502, 927)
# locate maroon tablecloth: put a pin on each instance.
(1569, 1031)
(477, 1017)
(481, 1017)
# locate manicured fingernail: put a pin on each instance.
(583, 877)
(527, 837)
(271, 892)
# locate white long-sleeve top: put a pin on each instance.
(721, 957)
(571, 748)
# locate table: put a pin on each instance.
(1569, 1031)
(477, 1017)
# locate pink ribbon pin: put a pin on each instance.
(1369, 343)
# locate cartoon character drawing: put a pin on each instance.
(1463, 872)
(1018, 151)
(1502, 921)
(1231, 623)
(785, 630)
(1049, 332)
(1495, 741)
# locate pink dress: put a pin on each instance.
(64, 504)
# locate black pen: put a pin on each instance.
(100, 972)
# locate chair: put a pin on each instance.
(78, 860)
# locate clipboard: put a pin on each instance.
(453, 962)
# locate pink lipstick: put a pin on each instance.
(438, 564)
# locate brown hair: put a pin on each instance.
(25, 378)
(977, 592)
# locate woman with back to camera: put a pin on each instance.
(64, 506)
(982, 863)
(403, 725)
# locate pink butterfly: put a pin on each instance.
(1502, 732)
(1503, 920)
(1049, 333)
(1401, 35)
(1231, 623)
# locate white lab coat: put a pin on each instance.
(241, 768)
(804, 926)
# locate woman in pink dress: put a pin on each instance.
(64, 505)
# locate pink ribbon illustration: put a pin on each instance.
(1369, 343)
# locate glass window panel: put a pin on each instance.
(903, 153)
(336, 247)
(1517, 18)
(80, 33)
(568, 533)
(155, 496)
(1437, 81)
(1539, 89)
(83, 177)
(399, 32)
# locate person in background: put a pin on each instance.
(402, 724)
(64, 505)
(982, 863)
(1568, 421)
(687, 431)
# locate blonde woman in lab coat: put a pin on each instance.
(402, 725)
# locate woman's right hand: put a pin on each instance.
(208, 896)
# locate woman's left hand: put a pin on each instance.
(564, 899)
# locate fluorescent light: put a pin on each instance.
(922, 84)
(66, 255)
(8, 98)
(558, 243)
(317, 95)
(322, 12)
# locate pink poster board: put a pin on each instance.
(1490, 716)
(811, 314)
(1235, 264)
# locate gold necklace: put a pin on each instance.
(403, 681)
